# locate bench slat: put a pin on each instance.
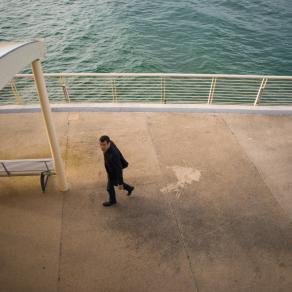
(26, 166)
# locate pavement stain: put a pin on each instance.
(184, 176)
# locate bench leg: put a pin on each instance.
(44, 180)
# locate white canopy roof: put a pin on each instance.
(14, 56)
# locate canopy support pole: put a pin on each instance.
(51, 132)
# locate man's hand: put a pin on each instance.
(120, 187)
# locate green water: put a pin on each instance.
(209, 36)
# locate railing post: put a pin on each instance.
(162, 90)
(15, 92)
(164, 96)
(116, 95)
(212, 90)
(114, 90)
(65, 89)
(260, 91)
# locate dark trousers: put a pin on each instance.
(111, 190)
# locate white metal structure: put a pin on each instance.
(14, 56)
(28, 167)
(25, 166)
(153, 87)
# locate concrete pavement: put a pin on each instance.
(212, 208)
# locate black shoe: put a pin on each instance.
(108, 204)
(130, 191)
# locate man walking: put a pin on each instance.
(114, 163)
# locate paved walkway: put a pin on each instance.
(212, 209)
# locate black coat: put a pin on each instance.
(114, 163)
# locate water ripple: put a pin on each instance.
(211, 36)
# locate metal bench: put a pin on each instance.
(29, 167)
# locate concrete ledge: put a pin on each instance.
(146, 107)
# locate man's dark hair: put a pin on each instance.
(104, 138)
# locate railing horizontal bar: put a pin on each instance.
(189, 97)
(92, 100)
(278, 90)
(238, 85)
(237, 80)
(235, 91)
(273, 98)
(72, 93)
(198, 93)
(103, 79)
(279, 82)
(255, 88)
(110, 100)
(168, 86)
(186, 92)
(119, 93)
(276, 101)
(84, 86)
(204, 99)
(226, 90)
(233, 100)
(274, 85)
(97, 89)
(157, 83)
(232, 96)
(241, 83)
(90, 95)
(207, 86)
(276, 94)
(160, 75)
(118, 87)
(134, 96)
(96, 97)
(219, 84)
(167, 94)
(168, 81)
(241, 80)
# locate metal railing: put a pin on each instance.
(153, 87)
